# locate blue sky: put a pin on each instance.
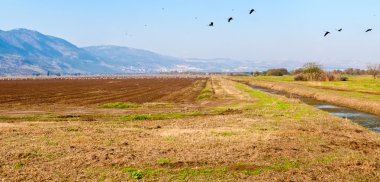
(278, 31)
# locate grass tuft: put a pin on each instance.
(19, 165)
(120, 105)
(138, 174)
(224, 133)
(163, 161)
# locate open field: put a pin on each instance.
(87, 92)
(363, 83)
(360, 92)
(190, 129)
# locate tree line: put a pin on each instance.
(313, 71)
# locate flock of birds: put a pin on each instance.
(253, 10)
(341, 29)
(231, 18)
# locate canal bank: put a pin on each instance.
(367, 120)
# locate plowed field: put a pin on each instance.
(94, 91)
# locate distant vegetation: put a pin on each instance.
(314, 71)
(273, 72)
(277, 72)
(374, 70)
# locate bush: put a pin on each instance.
(277, 72)
(137, 175)
(300, 77)
(343, 78)
(314, 72)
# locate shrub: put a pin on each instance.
(137, 175)
(343, 78)
(300, 77)
(277, 72)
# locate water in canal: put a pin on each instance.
(367, 120)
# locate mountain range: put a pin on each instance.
(27, 52)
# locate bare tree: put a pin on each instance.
(373, 70)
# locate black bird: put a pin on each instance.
(211, 24)
(230, 19)
(339, 30)
(327, 32)
(368, 30)
(252, 10)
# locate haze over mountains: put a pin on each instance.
(27, 52)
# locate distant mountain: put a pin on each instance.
(129, 60)
(27, 52)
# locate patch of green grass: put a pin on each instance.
(18, 165)
(51, 156)
(159, 105)
(161, 116)
(265, 100)
(207, 92)
(164, 161)
(6, 118)
(283, 166)
(120, 105)
(169, 139)
(224, 133)
(138, 174)
(72, 129)
(50, 142)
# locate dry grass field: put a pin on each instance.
(174, 129)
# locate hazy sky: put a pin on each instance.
(279, 30)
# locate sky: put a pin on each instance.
(286, 30)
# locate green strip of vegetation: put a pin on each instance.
(139, 173)
(207, 93)
(161, 116)
(283, 166)
(182, 175)
(120, 105)
(187, 174)
(264, 99)
(7, 118)
(224, 133)
(164, 161)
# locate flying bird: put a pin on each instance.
(327, 32)
(368, 30)
(230, 19)
(339, 30)
(252, 10)
(211, 24)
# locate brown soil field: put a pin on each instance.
(83, 92)
(194, 130)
